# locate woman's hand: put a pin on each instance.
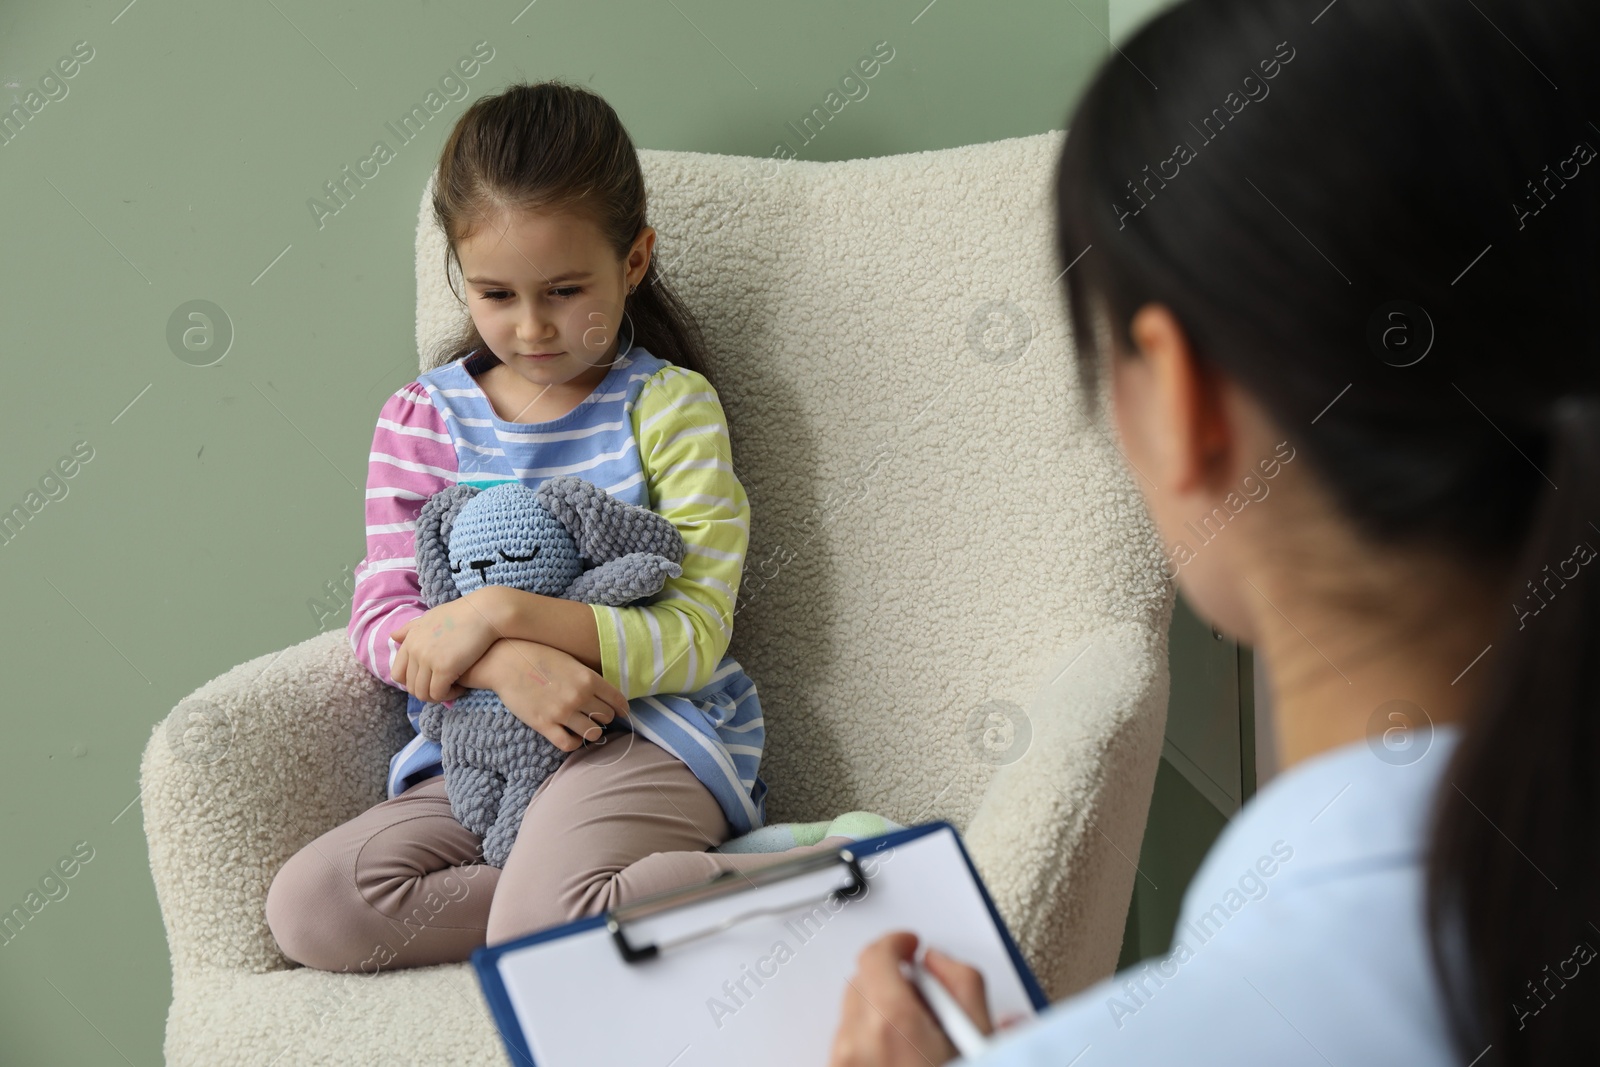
(553, 692)
(885, 1022)
(438, 646)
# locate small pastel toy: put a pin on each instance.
(567, 539)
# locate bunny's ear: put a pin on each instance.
(434, 522)
(604, 527)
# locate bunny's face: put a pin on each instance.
(505, 536)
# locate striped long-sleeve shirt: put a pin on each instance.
(650, 433)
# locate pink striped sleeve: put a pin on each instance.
(412, 458)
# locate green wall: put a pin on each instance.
(209, 507)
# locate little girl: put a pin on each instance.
(575, 359)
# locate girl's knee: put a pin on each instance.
(308, 908)
(509, 922)
(517, 914)
(553, 901)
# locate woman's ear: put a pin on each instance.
(1172, 402)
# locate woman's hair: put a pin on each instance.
(556, 147)
(1381, 220)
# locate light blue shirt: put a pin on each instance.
(1302, 937)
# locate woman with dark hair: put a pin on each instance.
(1354, 248)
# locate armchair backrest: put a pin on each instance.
(934, 518)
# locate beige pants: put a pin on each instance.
(404, 884)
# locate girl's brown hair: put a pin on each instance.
(552, 147)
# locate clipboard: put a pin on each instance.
(749, 967)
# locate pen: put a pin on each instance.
(961, 1030)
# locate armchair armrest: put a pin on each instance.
(1057, 835)
(245, 771)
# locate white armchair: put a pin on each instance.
(953, 603)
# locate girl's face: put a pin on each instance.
(546, 293)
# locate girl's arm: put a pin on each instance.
(412, 458)
(674, 643)
(547, 620)
(547, 689)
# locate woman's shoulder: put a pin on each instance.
(1345, 808)
(1308, 908)
(1301, 939)
(1287, 986)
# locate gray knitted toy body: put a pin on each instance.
(538, 541)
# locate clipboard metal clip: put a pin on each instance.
(727, 883)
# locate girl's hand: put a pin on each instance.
(554, 693)
(438, 646)
(885, 1023)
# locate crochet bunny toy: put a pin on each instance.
(567, 539)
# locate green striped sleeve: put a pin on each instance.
(673, 643)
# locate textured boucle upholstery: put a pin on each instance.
(946, 556)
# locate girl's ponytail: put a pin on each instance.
(1514, 865)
